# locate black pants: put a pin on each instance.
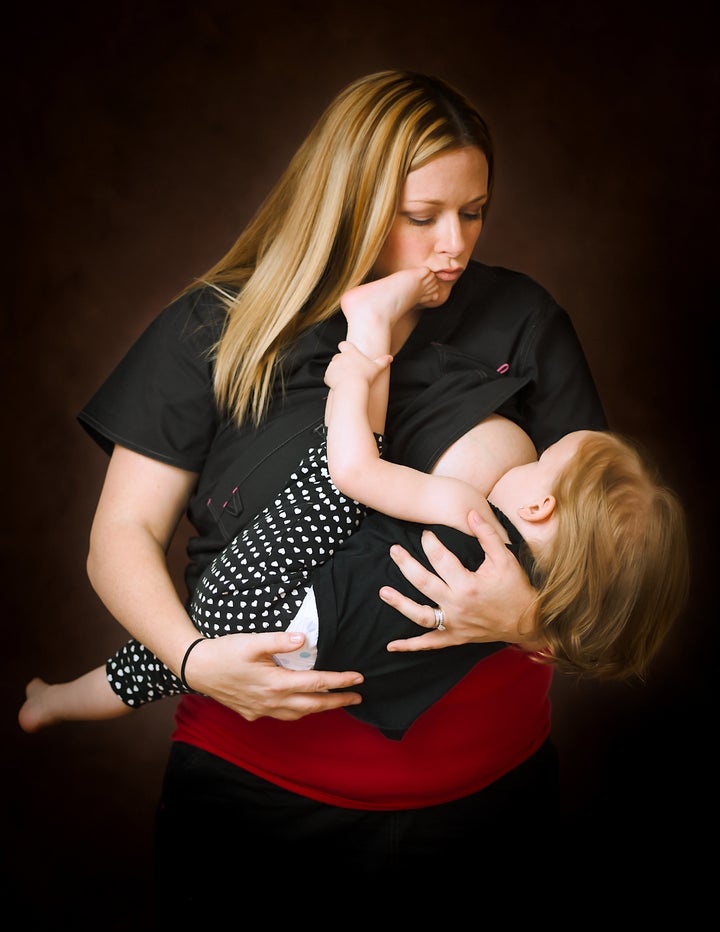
(224, 835)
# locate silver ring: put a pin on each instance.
(439, 619)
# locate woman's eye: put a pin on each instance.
(469, 216)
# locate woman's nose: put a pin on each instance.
(450, 239)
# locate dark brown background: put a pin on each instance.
(139, 138)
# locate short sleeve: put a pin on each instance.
(159, 399)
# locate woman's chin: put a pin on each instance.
(445, 291)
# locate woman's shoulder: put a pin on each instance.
(503, 283)
(196, 315)
(158, 399)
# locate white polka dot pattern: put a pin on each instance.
(259, 581)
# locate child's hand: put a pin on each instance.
(350, 364)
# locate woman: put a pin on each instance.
(210, 410)
(603, 540)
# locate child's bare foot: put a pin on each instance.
(388, 299)
(33, 714)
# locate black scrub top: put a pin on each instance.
(159, 400)
(356, 625)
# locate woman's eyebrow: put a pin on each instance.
(432, 201)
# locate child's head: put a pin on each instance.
(615, 574)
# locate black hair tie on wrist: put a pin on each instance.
(184, 661)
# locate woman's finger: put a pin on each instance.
(420, 613)
(447, 566)
(421, 578)
(494, 547)
(432, 640)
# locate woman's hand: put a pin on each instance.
(492, 604)
(238, 671)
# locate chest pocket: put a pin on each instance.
(255, 477)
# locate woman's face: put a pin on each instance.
(439, 219)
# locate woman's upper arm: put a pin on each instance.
(141, 491)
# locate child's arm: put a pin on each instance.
(355, 464)
(374, 310)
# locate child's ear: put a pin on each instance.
(538, 511)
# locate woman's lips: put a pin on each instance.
(449, 275)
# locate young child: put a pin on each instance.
(604, 543)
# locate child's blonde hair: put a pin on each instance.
(616, 574)
(320, 230)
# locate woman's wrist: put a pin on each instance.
(183, 665)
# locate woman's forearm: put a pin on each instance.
(139, 509)
(129, 572)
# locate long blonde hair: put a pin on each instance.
(321, 228)
(616, 574)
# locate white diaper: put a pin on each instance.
(306, 621)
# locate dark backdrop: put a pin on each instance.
(139, 138)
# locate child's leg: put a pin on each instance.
(264, 570)
(87, 698)
(373, 309)
(258, 582)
